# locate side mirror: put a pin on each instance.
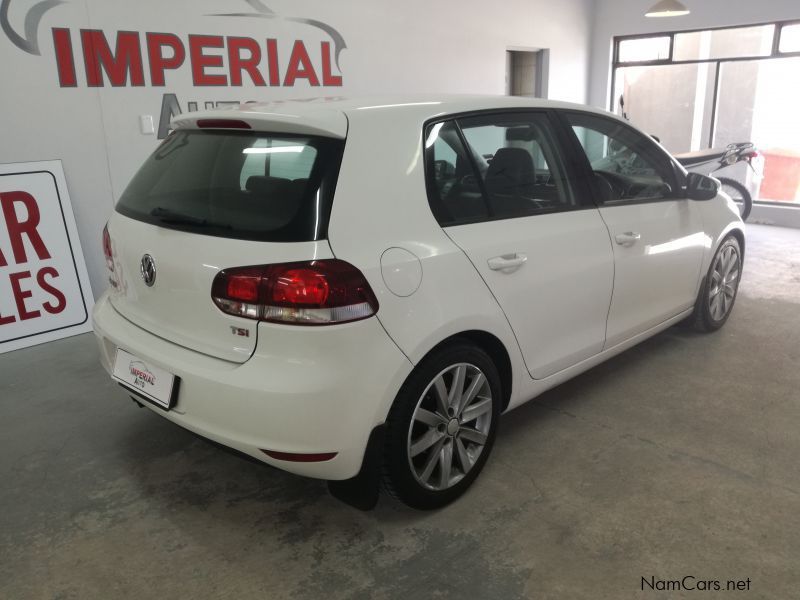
(701, 187)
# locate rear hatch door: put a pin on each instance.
(210, 200)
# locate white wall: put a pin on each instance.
(624, 17)
(413, 46)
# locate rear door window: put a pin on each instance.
(522, 171)
(496, 166)
(242, 185)
(454, 190)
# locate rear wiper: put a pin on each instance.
(170, 216)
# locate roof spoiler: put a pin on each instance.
(282, 119)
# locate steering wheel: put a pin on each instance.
(613, 186)
(468, 179)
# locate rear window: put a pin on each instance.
(255, 186)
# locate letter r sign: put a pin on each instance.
(44, 287)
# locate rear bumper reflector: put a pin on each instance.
(292, 457)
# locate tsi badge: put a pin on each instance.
(148, 270)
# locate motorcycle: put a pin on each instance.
(710, 161)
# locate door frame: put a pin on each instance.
(541, 75)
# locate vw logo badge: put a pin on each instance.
(148, 270)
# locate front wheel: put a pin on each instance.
(442, 426)
(718, 292)
(739, 195)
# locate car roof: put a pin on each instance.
(329, 116)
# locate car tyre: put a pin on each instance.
(442, 426)
(720, 287)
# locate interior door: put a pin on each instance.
(529, 229)
(657, 235)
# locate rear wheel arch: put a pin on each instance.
(496, 350)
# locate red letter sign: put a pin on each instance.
(44, 287)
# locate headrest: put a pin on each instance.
(265, 185)
(515, 163)
(520, 134)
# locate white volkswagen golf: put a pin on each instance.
(356, 290)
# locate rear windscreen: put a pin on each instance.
(255, 186)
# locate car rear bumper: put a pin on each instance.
(305, 389)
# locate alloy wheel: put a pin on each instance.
(724, 281)
(450, 426)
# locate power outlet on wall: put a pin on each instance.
(146, 125)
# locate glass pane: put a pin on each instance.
(454, 192)
(230, 184)
(519, 163)
(790, 38)
(671, 102)
(289, 160)
(627, 165)
(756, 105)
(654, 48)
(724, 43)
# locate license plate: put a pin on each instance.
(148, 381)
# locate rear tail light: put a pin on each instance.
(319, 292)
(107, 249)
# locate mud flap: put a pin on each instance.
(362, 491)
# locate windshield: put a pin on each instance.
(244, 185)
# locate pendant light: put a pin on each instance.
(667, 8)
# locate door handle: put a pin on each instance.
(629, 238)
(506, 261)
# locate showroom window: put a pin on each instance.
(511, 169)
(790, 38)
(708, 88)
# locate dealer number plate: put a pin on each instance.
(147, 380)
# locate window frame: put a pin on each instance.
(775, 53)
(653, 151)
(575, 171)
